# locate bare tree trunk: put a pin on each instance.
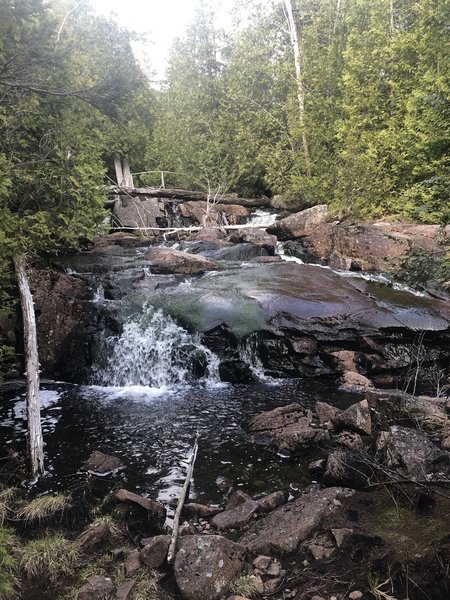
(35, 441)
(391, 14)
(299, 80)
(338, 12)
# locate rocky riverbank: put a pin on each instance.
(372, 522)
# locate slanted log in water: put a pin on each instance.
(176, 195)
(181, 500)
(35, 441)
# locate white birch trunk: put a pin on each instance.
(299, 80)
(35, 440)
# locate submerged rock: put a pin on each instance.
(98, 462)
(168, 260)
(205, 566)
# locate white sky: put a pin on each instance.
(162, 20)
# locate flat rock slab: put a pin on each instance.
(168, 260)
(237, 517)
(284, 529)
(206, 565)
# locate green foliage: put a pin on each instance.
(8, 564)
(50, 558)
(420, 266)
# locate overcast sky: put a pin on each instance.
(162, 20)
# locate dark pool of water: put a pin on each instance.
(153, 435)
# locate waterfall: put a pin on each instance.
(153, 350)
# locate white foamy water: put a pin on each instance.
(262, 217)
(155, 353)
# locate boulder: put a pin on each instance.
(300, 224)
(255, 236)
(101, 463)
(168, 260)
(195, 213)
(192, 509)
(356, 418)
(234, 370)
(236, 498)
(92, 537)
(412, 454)
(124, 591)
(272, 501)
(326, 412)
(352, 379)
(237, 517)
(285, 528)
(154, 552)
(346, 468)
(97, 588)
(140, 211)
(154, 508)
(205, 566)
(350, 439)
(290, 428)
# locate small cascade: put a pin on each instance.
(154, 351)
(248, 351)
(262, 217)
(279, 249)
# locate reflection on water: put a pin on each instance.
(152, 431)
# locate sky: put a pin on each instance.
(161, 20)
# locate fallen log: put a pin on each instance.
(178, 196)
(193, 228)
(181, 500)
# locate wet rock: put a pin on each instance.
(285, 528)
(412, 454)
(326, 412)
(265, 259)
(98, 462)
(255, 236)
(97, 588)
(92, 537)
(345, 360)
(154, 508)
(300, 224)
(239, 252)
(192, 509)
(205, 566)
(132, 563)
(289, 428)
(125, 590)
(154, 552)
(168, 260)
(350, 439)
(356, 417)
(236, 498)
(272, 501)
(235, 371)
(235, 518)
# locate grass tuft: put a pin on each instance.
(6, 496)
(8, 564)
(43, 507)
(244, 586)
(48, 558)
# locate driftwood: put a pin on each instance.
(177, 195)
(35, 441)
(181, 500)
(170, 230)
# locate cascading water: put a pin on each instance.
(154, 351)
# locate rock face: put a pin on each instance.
(300, 224)
(412, 454)
(168, 260)
(142, 212)
(284, 529)
(205, 566)
(65, 319)
(289, 427)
